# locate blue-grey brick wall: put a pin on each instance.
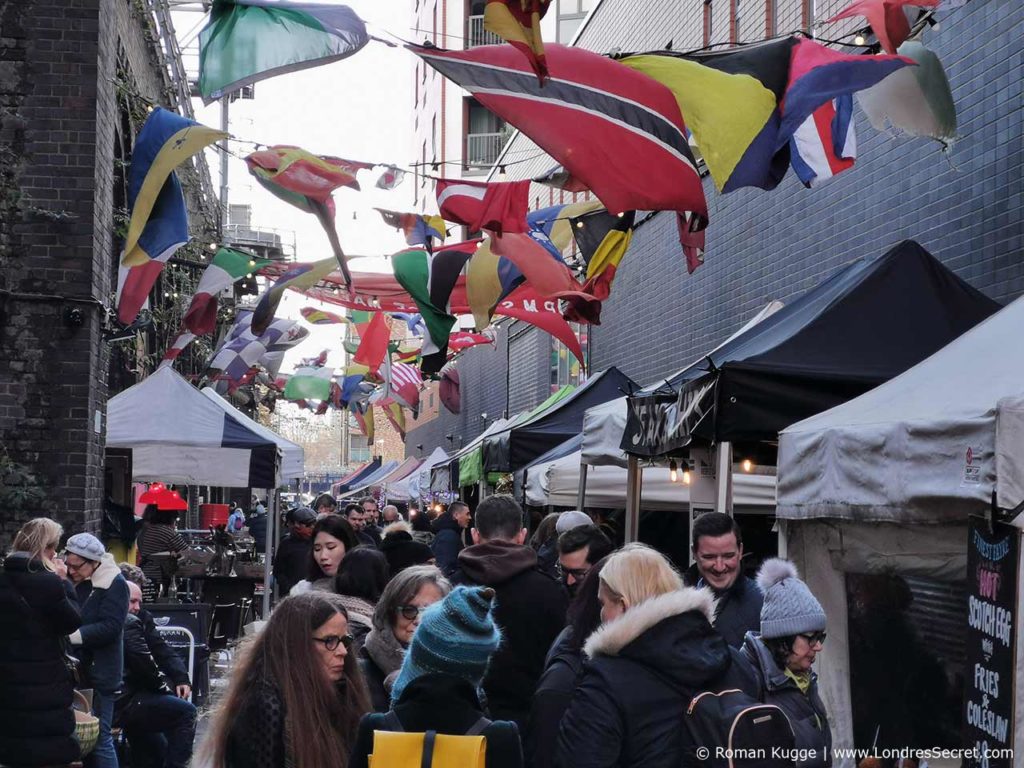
(966, 207)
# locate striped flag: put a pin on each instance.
(402, 384)
(297, 277)
(825, 144)
(228, 267)
(183, 340)
(499, 207)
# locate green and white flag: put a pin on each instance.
(309, 383)
(227, 267)
(246, 41)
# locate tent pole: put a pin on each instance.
(581, 494)
(272, 533)
(723, 478)
(634, 477)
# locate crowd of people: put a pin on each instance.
(558, 650)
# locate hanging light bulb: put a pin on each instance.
(212, 246)
(748, 465)
(859, 39)
(673, 470)
(686, 477)
(579, 224)
(501, 171)
(252, 263)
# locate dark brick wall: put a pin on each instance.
(967, 209)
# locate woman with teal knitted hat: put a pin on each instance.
(439, 685)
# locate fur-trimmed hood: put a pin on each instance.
(671, 634)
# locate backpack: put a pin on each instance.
(394, 748)
(731, 729)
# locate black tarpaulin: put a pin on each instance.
(867, 323)
(511, 449)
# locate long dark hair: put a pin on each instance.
(339, 528)
(321, 717)
(363, 573)
(585, 610)
(545, 530)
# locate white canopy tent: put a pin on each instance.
(557, 483)
(409, 486)
(885, 482)
(293, 456)
(179, 436)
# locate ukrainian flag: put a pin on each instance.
(159, 221)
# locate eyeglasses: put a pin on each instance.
(577, 573)
(813, 638)
(331, 642)
(71, 566)
(410, 612)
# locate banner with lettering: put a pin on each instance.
(993, 560)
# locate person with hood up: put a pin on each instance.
(655, 649)
(781, 655)
(37, 725)
(530, 604)
(450, 536)
(401, 550)
(103, 597)
(438, 686)
(395, 619)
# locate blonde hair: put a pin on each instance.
(636, 573)
(35, 536)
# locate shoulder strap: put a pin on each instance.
(427, 760)
(478, 727)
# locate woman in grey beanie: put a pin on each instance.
(782, 653)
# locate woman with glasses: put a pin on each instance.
(296, 694)
(395, 620)
(36, 684)
(782, 653)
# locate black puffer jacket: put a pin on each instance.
(739, 610)
(447, 543)
(529, 606)
(805, 711)
(644, 668)
(562, 669)
(36, 721)
(445, 704)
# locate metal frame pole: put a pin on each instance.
(634, 480)
(581, 494)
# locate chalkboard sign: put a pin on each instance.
(992, 562)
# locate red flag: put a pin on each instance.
(403, 386)
(617, 131)
(373, 344)
(459, 342)
(524, 304)
(499, 207)
(886, 18)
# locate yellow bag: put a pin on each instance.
(397, 749)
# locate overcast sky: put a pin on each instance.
(359, 108)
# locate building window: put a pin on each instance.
(434, 27)
(736, 17)
(433, 138)
(485, 135)
(709, 22)
(571, 14)
(771, 25)
(565, 368)
(423, 163)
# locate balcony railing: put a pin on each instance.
(477, 35)
(483, 148)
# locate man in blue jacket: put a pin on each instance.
(449, 536)
(103, 596)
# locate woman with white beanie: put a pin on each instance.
(782, 653)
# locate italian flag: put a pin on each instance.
(309, 383)
(227, 267)
(246, 41)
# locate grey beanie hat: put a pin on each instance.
(789, 607)
(572, 519)
(86, 546)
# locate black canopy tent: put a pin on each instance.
(571, 445)
(864, 325)
(511, 449)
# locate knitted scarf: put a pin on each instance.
(385, 650)
(359, 611)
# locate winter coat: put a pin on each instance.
(547, 555)
(380, 656)
(291, 563)
(36, 722)
(447, 543)
(445, 704)
(258, 737)
(141, 673)
(562, 669)
(805, 711)
(529, 607)
(643, 670)
(402, 551)
(739, 610)
(360, 616)
(104, 605)
(257, 525)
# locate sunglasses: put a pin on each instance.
(331, 642)
(410, 612)
(813, 638)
